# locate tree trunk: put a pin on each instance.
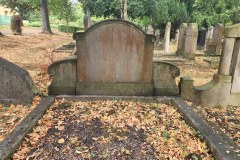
(45, 17)
(123, 9)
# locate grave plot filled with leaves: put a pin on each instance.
(112, 129)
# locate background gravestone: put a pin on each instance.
(150, 29)
(202, 33)
(176, 37)
(181, 39)
(16, 85)
(157, 34)
(191, 41)
(217, 38)
(167, 37)
(209, 40)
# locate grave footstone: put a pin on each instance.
(181, 39)
(16, 85)
(167, 37)
(191, 41)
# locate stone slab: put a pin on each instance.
(116, 89)
(14, 140)
(221, 149)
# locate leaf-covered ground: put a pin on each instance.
(34, 53)
(112, 130)
(226, 118)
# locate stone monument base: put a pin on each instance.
(116, 89)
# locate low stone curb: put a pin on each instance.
(9, 145)
(218, 143)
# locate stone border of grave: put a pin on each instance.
(221, 146)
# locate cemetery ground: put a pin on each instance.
(106, 129)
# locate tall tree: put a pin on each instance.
(211, 12)
(66, 8)
(46, 29)
(123, 8)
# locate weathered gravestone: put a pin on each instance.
(16, 85)
(114, 57)
(191, 41)
(209, 39)
(224, 89)
(167, 37)
(181, 39)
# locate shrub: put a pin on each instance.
(16, 25)
(68, 29)
(35, 24)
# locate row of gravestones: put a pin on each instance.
(186, 39)
(189, 39)
(121, 63)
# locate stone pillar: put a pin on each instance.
(176, 37)
(181, 39)
(191, 41)
(167, 37)
(217, 37)
(235, 68)
(226, 57)
(157, 34)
